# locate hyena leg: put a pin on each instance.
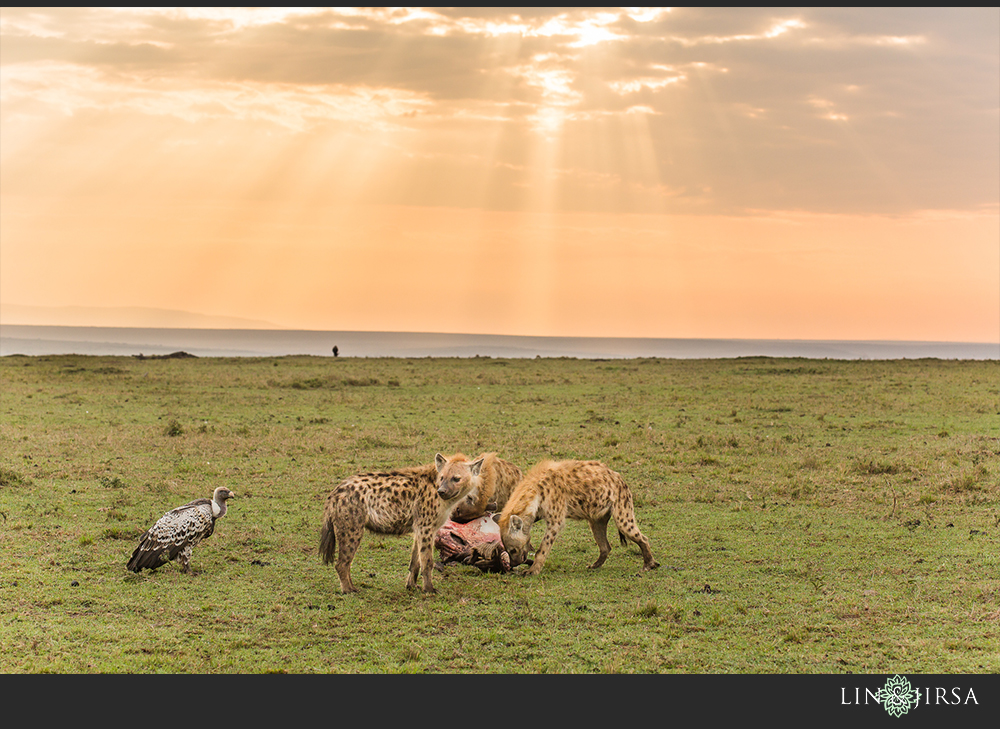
(552, 529)
(600, 529)
(427, 559)
(414, 570)
(348, 541)
(627, 525)
(421, 560)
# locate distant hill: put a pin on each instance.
(123, 316)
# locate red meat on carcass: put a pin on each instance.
(475, 543)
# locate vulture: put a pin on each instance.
(178, 532)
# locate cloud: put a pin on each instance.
(813, 109)
(295, 107)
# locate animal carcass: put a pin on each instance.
(475, 543)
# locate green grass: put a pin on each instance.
(809, 515)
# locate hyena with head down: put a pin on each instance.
(493, 486)
(557, 490)
(418, 499)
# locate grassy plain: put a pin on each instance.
(809, 515)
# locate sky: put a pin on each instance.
(681, 173)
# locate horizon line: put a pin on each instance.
(291, 330)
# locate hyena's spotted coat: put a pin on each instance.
(555, 490)
(418, 499)
(492, 488)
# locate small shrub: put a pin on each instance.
(173, 429)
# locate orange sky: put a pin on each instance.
(808, 174)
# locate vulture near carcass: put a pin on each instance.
(178, 532)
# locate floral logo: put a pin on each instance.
(897, 696)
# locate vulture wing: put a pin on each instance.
(183, 527)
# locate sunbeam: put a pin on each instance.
(586, 171)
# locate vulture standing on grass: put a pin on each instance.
(178, 532)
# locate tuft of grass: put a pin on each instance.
(411, 654)
(965, 481)
(117, 532)
(649, 610)
(873, 468)
(809, 463)
(796, 634)
(10, 477)
(330, 382)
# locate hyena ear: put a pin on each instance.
(476, 466)
(439, 462)
(496, 517)
(516, 524)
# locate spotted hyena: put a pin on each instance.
(418, 499)
(491, 489)
(555, 490)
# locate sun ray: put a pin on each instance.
(592, 170)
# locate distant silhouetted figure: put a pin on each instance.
(335, 351)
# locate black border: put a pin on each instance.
(485, 700)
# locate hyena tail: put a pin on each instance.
(626, 507)
(327, 542)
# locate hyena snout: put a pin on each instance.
(449, 489)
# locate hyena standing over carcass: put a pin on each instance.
(418, 499)
(555, 490)
(493, 486)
